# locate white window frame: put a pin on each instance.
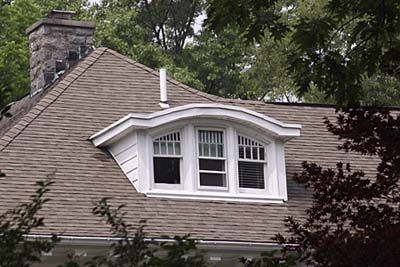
(265, 165)
(129, 140)
(154, 136)
(225, 159)
(189, 187)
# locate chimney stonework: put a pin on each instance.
(56, 43)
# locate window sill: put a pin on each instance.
(239, 197)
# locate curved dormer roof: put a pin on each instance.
(241, 115)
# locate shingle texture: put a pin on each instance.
(52, 138)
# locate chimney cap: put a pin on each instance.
(62, 19)
(61, 14)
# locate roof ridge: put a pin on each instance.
(175, 82)
(51, 95)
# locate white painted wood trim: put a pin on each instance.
(206, 195)
(133, 151)
(227, 112)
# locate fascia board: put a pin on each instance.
(202, 243)
(143, 121)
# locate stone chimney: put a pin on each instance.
(56, 43)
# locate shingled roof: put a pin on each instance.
(53, 138)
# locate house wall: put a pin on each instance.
(216, 256)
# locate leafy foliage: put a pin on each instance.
(133, 248)
(15, 17)
(15, 224)
(252, 17)
(169, 22)
(270, 259)
(354, 220)
(128, 250)
(219, 62)
(14, 56)
(160, 34)
(337, 49)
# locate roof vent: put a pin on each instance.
(163, 89)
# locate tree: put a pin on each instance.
(270, 259)
(148, 32)
(345, 51)
(169, 22)
(381, 89)
(14, 55)
(218, 61)
(166, 23)
(15, 17)
(267, 77)
(133, 248)
(251, 17)
(336, 50)
(354, 220)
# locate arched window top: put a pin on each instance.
(168, 145)
(250, 149)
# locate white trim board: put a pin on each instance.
(202, 243)
(135, 121)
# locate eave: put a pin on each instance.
(136, 121)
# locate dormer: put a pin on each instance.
(202, 151)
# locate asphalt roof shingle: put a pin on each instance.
(53, 138)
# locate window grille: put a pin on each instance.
(251, 163)
(211, 158)
(167, 158)
(168, 145)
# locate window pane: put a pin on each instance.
(248, 152)
(212, 165)
(250, 149)
(206, 148)
(177, 148)
(251, 175)
(212, 179)
(241, 152)
(211, 143)
(167, 145)
(167, 170)
(262, 153)
(220, 151)
(213, 150)
(156, 148)
(170, 148)
(255, 154)
(163, 148)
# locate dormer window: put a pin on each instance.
(251, 163)
(211, 158)
(167, 159)
(202, 151)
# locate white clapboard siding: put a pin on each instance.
(125, 153)
(130, 164)
(133, 177)
(128, 140)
